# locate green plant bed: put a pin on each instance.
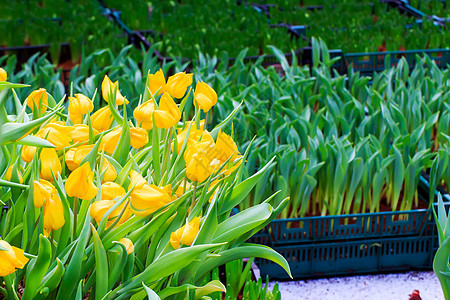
(353, 244)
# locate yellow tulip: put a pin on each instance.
(179, 192)
(144, 114)
(99, 209)
(69, 159)
(205, 96)
(80, 133)
(226, 147)
(80, 153)
(109, 87)
(110, 173)
(168, 114)
(186, 234)
(3, 75)
(57, 134)
(177, 84)
(49, 163)
(111, 140)
(198, 161)
(145, 199)
(79, 106)
(128, 245)
(80, 183)
(156, 82)
(11, 259)
(39, 98)
(27, 153)
(43, 190)
(139, 137)
(102, 119)
(195, 135)
(76, 119)
(53, 213)
(9, 174)
(111, 190)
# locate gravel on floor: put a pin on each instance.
(384, 286)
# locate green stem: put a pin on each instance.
(193, 196)
(9, 286)
(75, 214)
(167, 154)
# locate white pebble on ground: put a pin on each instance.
(384, 286)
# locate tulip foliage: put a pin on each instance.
(103, 205)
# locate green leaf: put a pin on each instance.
(150, 293)
(101, 267)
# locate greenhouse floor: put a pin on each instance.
(385, 286)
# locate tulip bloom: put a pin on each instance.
(186, 234)
(177, 84)
(39, 98)
(111, 190)
(99, 209)
(128, 245)
(109, 87)
(49, 163)
(168, 114)
(3, 75)
(145, 199)
(198, 161)
(80, 183)
(205, 96)
(9, 174)
(144, 114)
(226, 147)
(27, 153)
(195, 135)
(110, 174)
(69, 159)
(102, 119)
(53, 213)
(11, 259)
(57, 134)
(157, 82)
(111, 140)
(43, 190)
(80, 133)
(79, 106)
(139, 137)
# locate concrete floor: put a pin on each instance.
(385, 287)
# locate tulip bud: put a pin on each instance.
(9, 174)
(177, 84)
(80, 183)
(80, 153)
(128, 245)
(69, 159)
(156, 82)
(43, 190)
(109, 87)
(53, 213)
(3, 75)
(39, 98)
(111, 190)
(76, 119)
(145, 199)
(79, 106)
(99, 209)
(226, 147)
(144, 115)
(80, 133)
(139, 137)
(58, 135)
(110, 174)
(186, 234)
(49, 163)
(27, 153)
(168, 113)
(205, 96)
(102, 119)
(111, 140)
(198, 162)
(11, 259)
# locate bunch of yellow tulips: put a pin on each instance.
(105, 206)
